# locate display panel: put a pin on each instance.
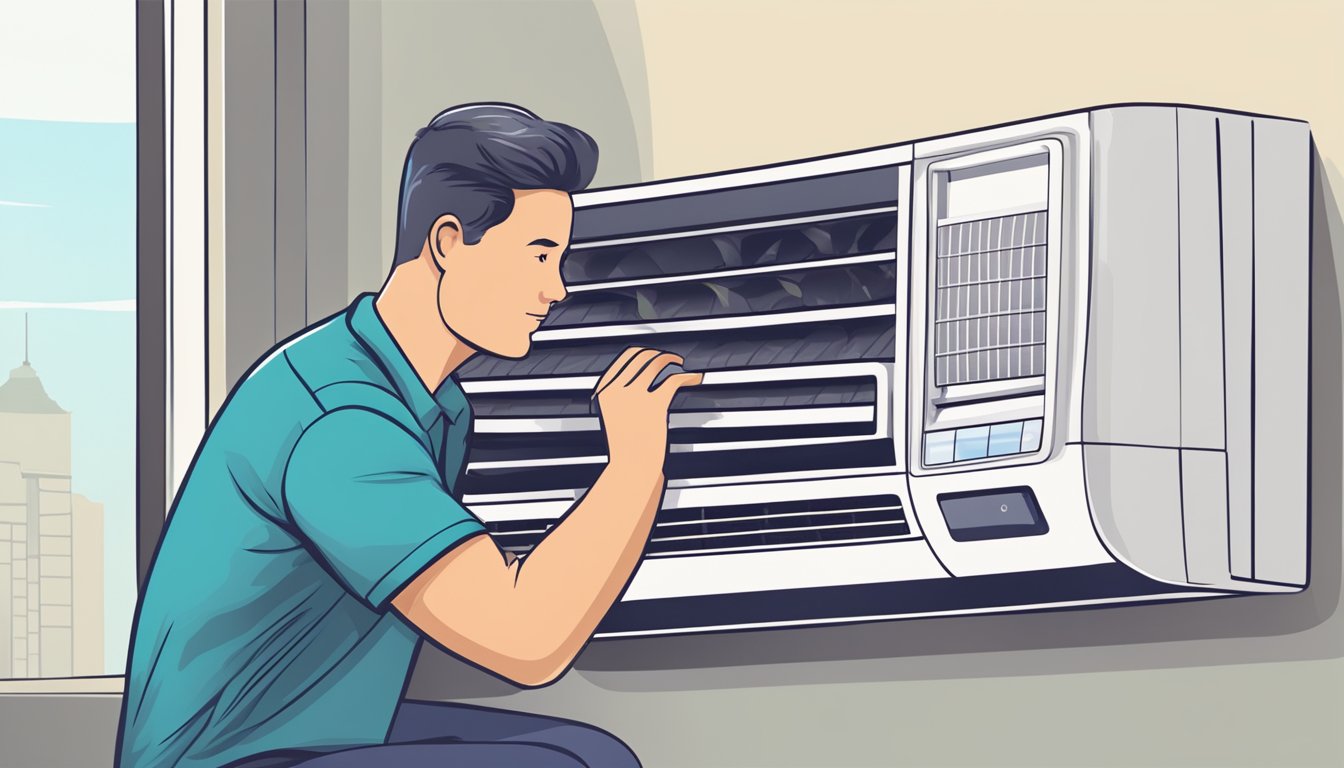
(996, 514)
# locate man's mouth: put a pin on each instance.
(539, 318)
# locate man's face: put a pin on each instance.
(495, 293)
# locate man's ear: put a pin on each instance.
(444, 236)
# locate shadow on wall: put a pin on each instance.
(1234, 630)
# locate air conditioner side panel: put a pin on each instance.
(1234, 157)
(1201, 298)
(1203, 467)
(1195, 389)
(1282, 286)
(1135, 496)
(1204, 515)
(1131, 389)
(1262, 166)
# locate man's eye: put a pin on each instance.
(542, 258)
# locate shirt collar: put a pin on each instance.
(369, 328)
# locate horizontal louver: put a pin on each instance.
(708, 350)
(747, 248)
(741, 294)
(745, 527)
(528, 471)
(839, 391)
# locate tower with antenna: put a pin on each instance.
(24, 398)
(55, 571)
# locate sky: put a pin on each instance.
(67, 249)
(77, 58)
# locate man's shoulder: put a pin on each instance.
(338, 371)
(324, 373)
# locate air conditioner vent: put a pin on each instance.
(871, 338)
(838, 391)
(703, 254)
(793, 320)
(745, 527)
(745, 292)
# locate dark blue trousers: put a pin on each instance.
(463, 736)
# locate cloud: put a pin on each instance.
(17, 204)
(115, 305)
(72, 60)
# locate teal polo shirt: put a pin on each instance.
(324, 486)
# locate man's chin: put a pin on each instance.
(510, 351)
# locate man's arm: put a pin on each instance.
(527, 620)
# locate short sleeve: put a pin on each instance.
(368, 498)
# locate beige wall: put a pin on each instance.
(745, 82)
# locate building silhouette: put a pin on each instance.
(51, 542)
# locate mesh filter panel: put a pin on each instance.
(989, 299)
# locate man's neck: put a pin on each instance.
(409, 307)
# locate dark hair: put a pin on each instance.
(470, 158)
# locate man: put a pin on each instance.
(316, 538)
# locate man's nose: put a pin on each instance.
(553, 292)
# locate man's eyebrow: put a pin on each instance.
(543, 241)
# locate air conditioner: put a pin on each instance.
(1056, 363)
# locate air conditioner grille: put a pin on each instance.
(848, 284)
(802, 244)
(745, 527)
(788, 393)
(834, 341)
(792, 321)
(568, 473)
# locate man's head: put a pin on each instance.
(485, 202)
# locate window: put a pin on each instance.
(102, 334)
(68, 328)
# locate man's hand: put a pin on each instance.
(528, 619)
(634, 418)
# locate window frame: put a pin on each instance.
(173, 249)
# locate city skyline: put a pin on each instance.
(79, 295)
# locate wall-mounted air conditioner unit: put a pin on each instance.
(1056, 363)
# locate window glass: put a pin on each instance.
(67, 341)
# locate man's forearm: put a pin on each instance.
(569, 580)
(527, 620)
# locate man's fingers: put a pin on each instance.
(676, 381)
(614, 370)
(643, 378)
(638, 364)
(628, 371)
